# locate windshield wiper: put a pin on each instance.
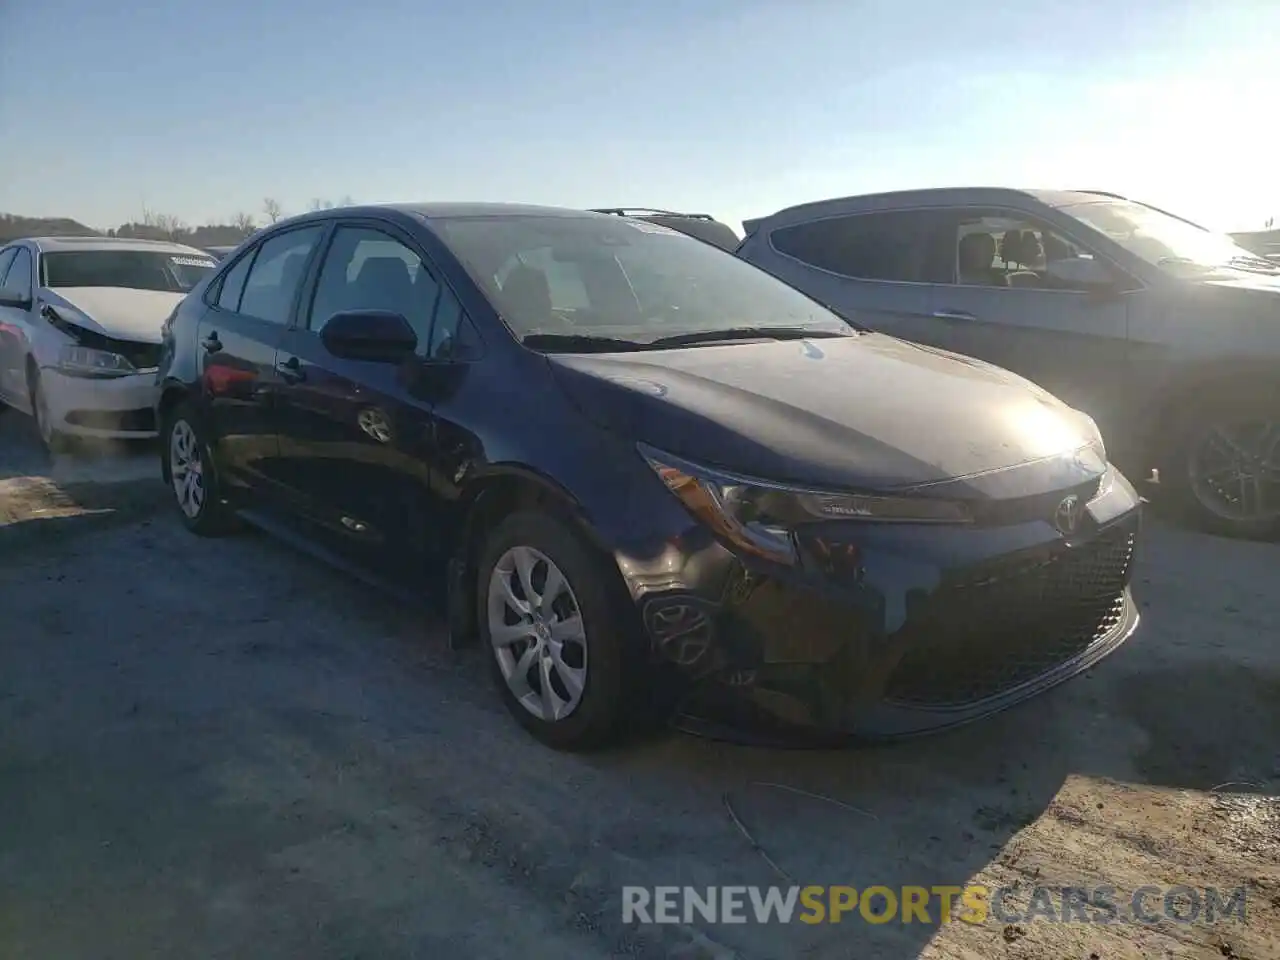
(579, 343)
(746, 333)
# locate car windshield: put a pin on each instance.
(567, 282)
(1159, 238)
(172, 272)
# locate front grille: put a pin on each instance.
(144, 356)
(1002, 624)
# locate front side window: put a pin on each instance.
(128, 269)
(634, 282)
(19, 275)
(908, 246)
(276, 274)
(366, 269)
(1158, 238)
(1008, 249)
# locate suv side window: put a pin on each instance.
(366, 269)
(19, 276)
(277, 272)
(6, 258)
(1006, 248)
(233, 283)
(907, 246)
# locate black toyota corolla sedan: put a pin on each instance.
(630, 463)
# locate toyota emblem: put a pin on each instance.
(1067, 517)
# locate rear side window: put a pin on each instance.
(233, 283)
(276, 274)
(912, 246)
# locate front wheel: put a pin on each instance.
(1222, 467)
(193, 475)
(555, 631)
(52, 439)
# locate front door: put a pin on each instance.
(356, 440)
(1004, 306)
(238, 338)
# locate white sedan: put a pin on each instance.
(80, 331)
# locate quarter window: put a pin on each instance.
(452, 336)
(911, 246)
(276, 274)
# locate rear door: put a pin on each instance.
(356, 439)
(877, 269)
(1069, 339)
(250, 312)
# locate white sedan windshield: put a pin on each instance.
(133, 269)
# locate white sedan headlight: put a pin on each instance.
(80, 361)
(758, 516)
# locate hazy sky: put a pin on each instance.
(732, 107)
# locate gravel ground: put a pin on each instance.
(221, 749)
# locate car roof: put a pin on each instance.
(930, 197)
(56, 244)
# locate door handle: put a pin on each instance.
(211, 343)
(953, 315)
(290, 370)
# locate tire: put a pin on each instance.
(187, 454)
(1188, 483)
(606, 630)
(53, 440)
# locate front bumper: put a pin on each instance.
(107, 407)
(889, 630)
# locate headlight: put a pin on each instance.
(87, 362)
(758, 516)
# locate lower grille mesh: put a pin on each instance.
(999, 626)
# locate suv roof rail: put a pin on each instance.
(649, 212)
(1104, 193)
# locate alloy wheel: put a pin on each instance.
(537, 633)
(1234, 470)
(186, 468)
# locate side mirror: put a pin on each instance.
(1082, 273)
(379, 336)
(9, 297)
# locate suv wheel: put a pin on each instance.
(1223, 469)
(555, 633)
(192, 474)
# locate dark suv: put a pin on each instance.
(639, 467)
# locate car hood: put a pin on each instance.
(868, 412)
(115, 312)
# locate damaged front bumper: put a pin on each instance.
(886, 630)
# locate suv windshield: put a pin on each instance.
(630, 281)
(1159, 238)
(134, 269)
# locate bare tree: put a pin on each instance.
(271, 207)
(170, 227)
(318, 204)
(244, 223)
(1271, 222)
